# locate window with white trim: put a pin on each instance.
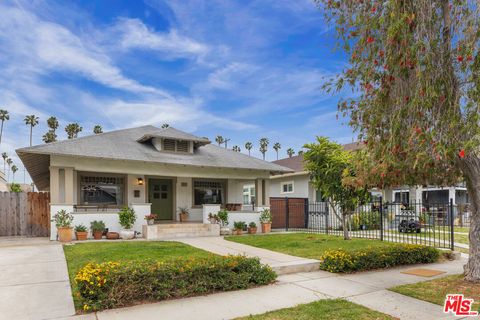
(287, 187)
(248, 194)
(101, 189)
(208, 192)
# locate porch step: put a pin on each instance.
(303, 265)
(167, 231)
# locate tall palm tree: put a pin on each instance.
(248, 146)
(97, 129)
(72, 130)
(4, 116)
(277, 146)
(290, 152)
(32, 121)
(52, 123)
(236, 148)
(219, 140)
(9, 163)
(50, 136)
(14, 169)
(5, 157)
(165, 126)
(264, 146)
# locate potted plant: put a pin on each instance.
(252, 228)
(81, 232)
(266, 220)
(150, 218)
(127, 219)
(183, 214)
(223, 217)
(213, 218)
(63, 222)
(238, 227)
(97, 227)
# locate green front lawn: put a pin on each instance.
(337, 309)
(78, 255)
(434, 291)
(304, 244)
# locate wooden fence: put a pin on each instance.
(25, 214)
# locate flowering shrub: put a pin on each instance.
(117, 284)
(376, 258)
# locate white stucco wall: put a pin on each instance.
(301, 187)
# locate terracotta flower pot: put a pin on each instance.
(238, 232)
(266, 227)
(81, 235)
(252, 230)
(97, 234)
(183, 217)
(65, 234)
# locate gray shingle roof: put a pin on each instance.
(123, 145)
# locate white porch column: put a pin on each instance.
(69, 187)
(259, 192)
(54, 185)
(451, 195)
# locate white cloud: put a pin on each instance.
(133, 33)
(33, 45)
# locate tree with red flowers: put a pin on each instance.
(415, 72)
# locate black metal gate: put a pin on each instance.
(430, 224)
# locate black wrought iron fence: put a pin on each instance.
(428, 224)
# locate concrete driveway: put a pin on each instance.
(33, 280)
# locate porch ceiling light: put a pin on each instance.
(140, 181)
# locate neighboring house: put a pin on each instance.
(297, 184)
(149, 169)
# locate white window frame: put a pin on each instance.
(287, 183)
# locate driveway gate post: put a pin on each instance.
(287, 214)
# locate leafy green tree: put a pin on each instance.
(50, 136)
(97, 129)
(14, 170)
(4, 116)
(4, 157)
(9, 163)
(290, 152)
(220, 140)
(264, 146)
(248, 146)
(52, 123)
(72, 130)
(236, 148)
(32, 121)
(277, 146)
(414, 67)
(329, 165)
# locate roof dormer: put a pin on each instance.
(172, 140)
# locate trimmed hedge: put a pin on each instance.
(377, 258)
(118, 284)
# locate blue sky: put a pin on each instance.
(241, 69)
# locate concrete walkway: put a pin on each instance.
(279, 262)
(33, 280)
(366, 288)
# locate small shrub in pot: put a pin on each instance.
(97, 227)
(266, 220)
(183, 212)
(238, 227)
(63, 221)
(127, 219)
(252, 228)
(81, 232)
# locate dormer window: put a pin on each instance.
(176, 145)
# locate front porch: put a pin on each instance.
(93, 196)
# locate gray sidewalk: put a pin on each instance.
(280, 263)
(34, 281)
(366, 288)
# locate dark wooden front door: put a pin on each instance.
(160, 194)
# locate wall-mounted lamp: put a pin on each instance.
(140, 181)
